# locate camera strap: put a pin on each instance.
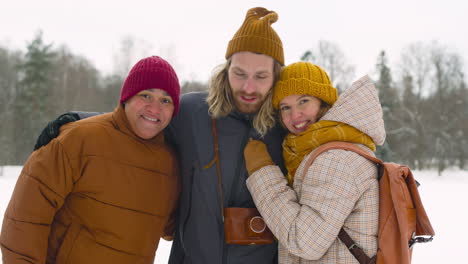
(218, 166)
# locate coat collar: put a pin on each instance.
(121, 122)
(245, 117)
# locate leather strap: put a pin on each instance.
(218, 166)
(341, 145)
(355, 249)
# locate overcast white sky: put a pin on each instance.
(193, 34)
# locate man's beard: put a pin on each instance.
(247, 108)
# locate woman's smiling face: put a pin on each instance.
(298, 112)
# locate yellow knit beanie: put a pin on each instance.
(257, 35)
(304, 78)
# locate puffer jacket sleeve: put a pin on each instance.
(169, 229)
(308, 225)
(40, 191)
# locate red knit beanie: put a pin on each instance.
(148, 73)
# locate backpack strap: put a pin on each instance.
(341, 145)
(354, 248)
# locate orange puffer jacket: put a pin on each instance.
(96, 194)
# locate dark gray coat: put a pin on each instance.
(200, 230)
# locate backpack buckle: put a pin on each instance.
(354, 245)
(419, 239)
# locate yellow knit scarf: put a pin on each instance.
(296, 147)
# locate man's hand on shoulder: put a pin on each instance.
(52, 129)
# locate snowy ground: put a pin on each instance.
(444, 198)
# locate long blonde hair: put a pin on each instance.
(221, 102)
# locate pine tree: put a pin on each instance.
(411, 131)
(8, 81)
(389, 100)
(31, 95)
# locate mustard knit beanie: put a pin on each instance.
(257, 35)
(304, 78)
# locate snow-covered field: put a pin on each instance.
(444, 197)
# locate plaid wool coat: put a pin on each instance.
(340, 189)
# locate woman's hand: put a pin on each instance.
(256, 156)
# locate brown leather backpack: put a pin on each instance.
(402, 218)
